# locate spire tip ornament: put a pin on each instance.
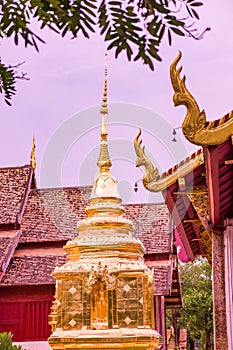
(104, 104)
(104, 162)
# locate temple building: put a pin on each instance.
(199, 194)
(100, 281)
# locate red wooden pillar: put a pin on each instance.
(228, 244)
(218, 253)
(160, 319)
(219, 296)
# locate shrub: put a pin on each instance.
(6, 342)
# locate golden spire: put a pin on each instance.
(104, 162)
(33, 157)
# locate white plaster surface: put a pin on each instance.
(35, 345)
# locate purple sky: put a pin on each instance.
(60, 103)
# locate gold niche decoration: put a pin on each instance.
(98, 283)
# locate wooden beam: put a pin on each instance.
(177, 219)
(212, 178)
(228, 161)
(192, 216)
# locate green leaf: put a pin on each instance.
(177, 31)
(197, 4)
(10, 30)
(195, 14)
(115, 3)
(129, 52)
(189, 12)
(113, 44)
(161, 33)
(153, 52)
(16, 38)
(148, 61)
(169, 37)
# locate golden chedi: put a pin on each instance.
(104, 292)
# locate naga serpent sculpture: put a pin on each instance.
(195, 127)
(151, 172)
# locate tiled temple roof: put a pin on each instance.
(30, 269)
(7, 246)
(152, 226)
(52, 214)
(14, 183)
(36, 269)
(162, 277)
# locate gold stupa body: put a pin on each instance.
(104, 292)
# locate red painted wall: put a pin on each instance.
(24, 311)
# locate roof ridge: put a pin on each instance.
(62, 188)
(8, 256)
(26, 193)
(16, 167)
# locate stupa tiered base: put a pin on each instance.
(121, 338)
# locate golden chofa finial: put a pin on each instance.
(104, 162)
(33, 156)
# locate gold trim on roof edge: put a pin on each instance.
(195, 127)
(154, 182)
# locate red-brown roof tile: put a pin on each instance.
(162, 276)
(35, 268)
(52, 214)
(5, 245)
(8, 242)
(13, 188)
(152, 226)
(31, 270)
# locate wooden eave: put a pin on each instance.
(219, 178)
(216, 175)
(174, 183)
(183, 213)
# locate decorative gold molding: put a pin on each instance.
(199, 200)
(194, 127)
(154, 182)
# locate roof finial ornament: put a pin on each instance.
(33, 156)
(104, 162)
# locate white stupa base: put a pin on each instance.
(34, 345)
